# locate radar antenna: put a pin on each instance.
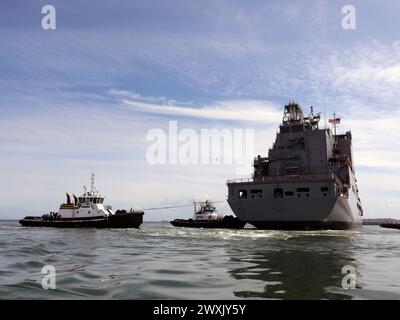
(292, 113)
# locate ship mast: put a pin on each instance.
(334, 123)
(92, 187)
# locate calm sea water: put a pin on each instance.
(159, 261)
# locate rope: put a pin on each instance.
(173, 207)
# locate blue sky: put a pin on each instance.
(81, 98)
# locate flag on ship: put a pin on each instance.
(335, 120)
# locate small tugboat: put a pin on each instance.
(206, 216)
(86, 211)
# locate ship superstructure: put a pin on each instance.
(307, 181)
(206, 211)
(88, 205)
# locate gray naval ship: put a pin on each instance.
(306, 182)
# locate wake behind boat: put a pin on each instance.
(206, 216)
(87, 210)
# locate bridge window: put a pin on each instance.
(324, 189)
(289, 193)
(303, 189)
(242, 194)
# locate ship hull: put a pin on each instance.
(128, 220)
(298, 213)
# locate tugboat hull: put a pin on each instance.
(228, 222)
(123, 220)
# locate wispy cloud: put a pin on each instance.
(134, 96)
(236, 110)
(367, 73)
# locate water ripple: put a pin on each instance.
(159, 261)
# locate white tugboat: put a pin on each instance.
(87, 210)
(307, 181)
(206, 215)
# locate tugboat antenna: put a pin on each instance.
(92, 188)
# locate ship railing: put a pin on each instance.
(306, 174)
(305, 178)
(243, 180)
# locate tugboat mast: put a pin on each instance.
(92, 187)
